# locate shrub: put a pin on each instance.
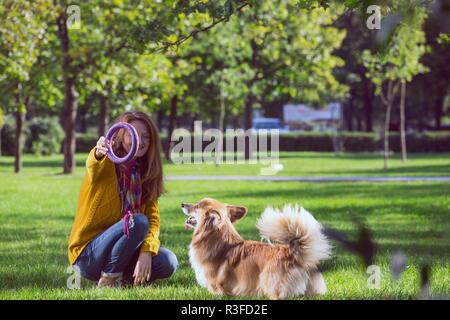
(43, 136)
(358, 142)
(322, 141)
(86, 141)
(422, 142)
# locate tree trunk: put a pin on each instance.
(20, 119)
(70, 96)
(70, 112)
(388, 102)
(349, 115)
(82, 113)
(219, 151)
(402, 121)
(103, 115)
(248, 114)
(172, 118)
(368, 105)
(386, 135)
(338, 143)
(438, 111)
(358, 122)
(159, 117)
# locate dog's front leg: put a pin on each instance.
(216, 288)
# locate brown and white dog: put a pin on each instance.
(225, 263)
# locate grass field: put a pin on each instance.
(37, 209)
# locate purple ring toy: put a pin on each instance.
(134, 142)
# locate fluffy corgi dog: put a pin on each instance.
(225, 263)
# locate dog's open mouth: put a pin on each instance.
(190, 223)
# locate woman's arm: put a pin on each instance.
(150, 247)
(99, 168)
(151, 243)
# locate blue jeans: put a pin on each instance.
(115, 254)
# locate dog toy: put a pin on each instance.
(134, 142)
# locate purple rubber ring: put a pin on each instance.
(134, 142)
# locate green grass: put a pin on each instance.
(295, 164)
(37, 210)
(328, 164)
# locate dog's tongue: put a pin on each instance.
(187, 227)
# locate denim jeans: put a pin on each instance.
(115, 254)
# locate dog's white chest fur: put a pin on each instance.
(199, 272)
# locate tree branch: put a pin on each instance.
(195, 32)
(92, 61)
(383, 97)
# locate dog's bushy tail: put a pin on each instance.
(298, 228)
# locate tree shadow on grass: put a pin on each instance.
(423, 170)
(304, 191)
(42, 163)
(55, 274)
(329, 155)
(47, 262)
(358, 156)
(15, 234)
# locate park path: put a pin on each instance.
(309, 179)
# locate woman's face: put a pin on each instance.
(144, 138)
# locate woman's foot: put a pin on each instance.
(109, 282)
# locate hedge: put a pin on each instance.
(423, 142)
(352, 142)
(311, 141)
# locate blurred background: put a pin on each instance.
(331, 75)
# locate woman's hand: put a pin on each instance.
(102, 147)
(143, 268)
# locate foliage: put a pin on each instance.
(44, 136)
(2, 118)
(400, 58)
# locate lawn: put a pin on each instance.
(328, 164)
(294, 163)
(37, 209)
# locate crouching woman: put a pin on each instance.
(115, 236)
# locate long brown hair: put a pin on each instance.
(150, 166)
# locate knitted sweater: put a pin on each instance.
(99, 207)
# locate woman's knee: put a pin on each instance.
(167, 263)
(88, 271)
(141, 224)
(172, 263)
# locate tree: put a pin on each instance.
(397, 63)
(438, 63)
(102, 32)
(260, 58)
(107, 28)
(22, 36)
(359, 104)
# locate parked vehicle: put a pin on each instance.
(268, 124)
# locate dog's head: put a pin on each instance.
(210, 214)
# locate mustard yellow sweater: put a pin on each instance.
(99, 206)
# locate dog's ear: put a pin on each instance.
(236, 212)
(186, 208)
(212, 219)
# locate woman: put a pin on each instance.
(115, 236)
